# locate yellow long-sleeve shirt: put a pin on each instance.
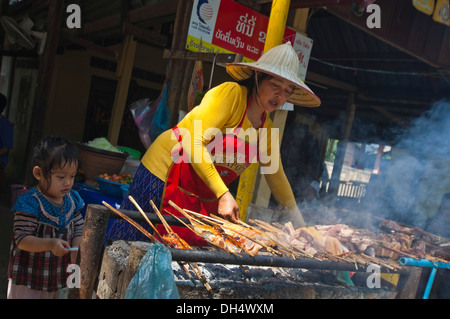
(223, 107)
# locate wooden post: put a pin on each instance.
(408, 283)
(123, 72)
(275, 32)
(376, 169)
(137, 252)
(342, 146)
(180, 69)
(263, 192)
(90, 251)
(44, 83)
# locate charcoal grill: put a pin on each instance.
(91, 251)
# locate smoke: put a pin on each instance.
(430, 133)
(417, 176)
(409, 188)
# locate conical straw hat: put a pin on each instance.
(281, 61)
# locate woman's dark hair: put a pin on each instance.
(52, 152)
(250, 82)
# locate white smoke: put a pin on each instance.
(419, 172)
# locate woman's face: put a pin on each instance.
(273, 93)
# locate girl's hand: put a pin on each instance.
(228, 208)
(59, 247)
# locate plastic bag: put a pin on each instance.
(154, 278)
(161, 119)
(143, 112)
(103, 144)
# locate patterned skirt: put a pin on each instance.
(145, 187)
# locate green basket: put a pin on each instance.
(134, 154)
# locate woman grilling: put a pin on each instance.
(192, 163)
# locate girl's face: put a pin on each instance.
(273, 93)
(60, 183)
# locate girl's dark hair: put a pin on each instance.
(52, 152)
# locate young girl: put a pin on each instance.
(47, 224)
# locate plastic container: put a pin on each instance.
(134, 154)
(111, 188)
(125, 189)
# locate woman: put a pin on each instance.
(193, 163)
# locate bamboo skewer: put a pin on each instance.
(275, 230)
(199, 234)
(156, 231)
(286, 250)
(144, 215)
(222, 222)
(132, 222)
(240, 266)
(185, 245)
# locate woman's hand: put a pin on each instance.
(228, 208)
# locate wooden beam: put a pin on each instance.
(199, 56)
(44, 83)
(178, 88)
(390, 116)
(405, 28)
(148, 13)
(161, 9)
(91, 46)
(327, 81)
(350, 115)
(124, 71)
(145, 35)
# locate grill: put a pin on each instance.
(91, 253)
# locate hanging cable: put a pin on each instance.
(440, 74)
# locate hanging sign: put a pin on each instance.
(425, 6)
(442, 12)
(225, 26)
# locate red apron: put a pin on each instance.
(185, 188)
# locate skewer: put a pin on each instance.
(224, 223)
(132, 222)
(144, 215)
(178, 208)
(198, 234)
(275, 230)
(166, 225)
(185, 245)
(240, 266)
(156, 231)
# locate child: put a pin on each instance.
(47, 223)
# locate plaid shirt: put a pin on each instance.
(36, 216)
